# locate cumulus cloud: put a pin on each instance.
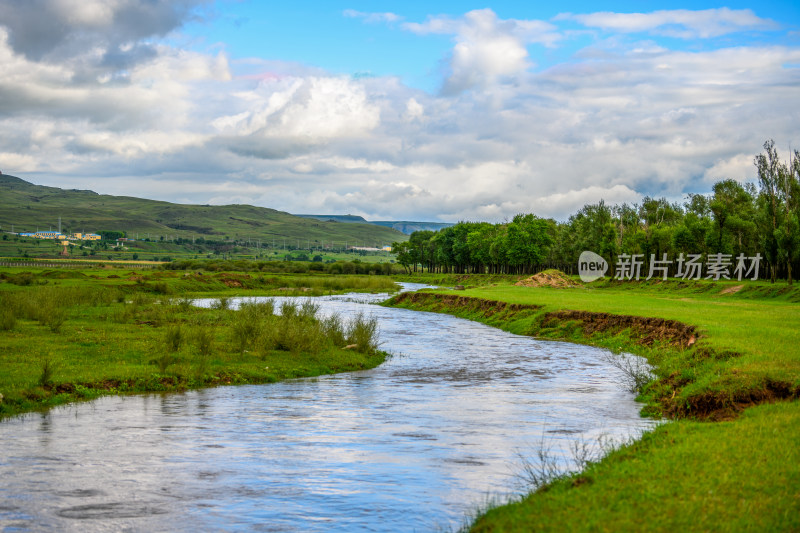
(680, 23)
(487, 49)
(56, 29)
(616, 121)
(289, 116)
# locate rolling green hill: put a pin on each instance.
(29, 207)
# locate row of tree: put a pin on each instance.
(734, 219)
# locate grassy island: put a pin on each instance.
(68, 335)
(726, 372)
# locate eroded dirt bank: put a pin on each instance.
(647, 329)
(666, 392)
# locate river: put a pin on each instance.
(413, 445)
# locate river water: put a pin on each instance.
(413, 445)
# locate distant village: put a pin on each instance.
(58, 236)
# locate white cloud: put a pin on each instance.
(373, 18)
(18, 162)
(680, 23)
(616, 121)
(738, 167)
(414, 110)
(487, 49)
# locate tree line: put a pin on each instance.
(735, 218)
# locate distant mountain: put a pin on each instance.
(410, 227)
(403, 226)
(29, 207)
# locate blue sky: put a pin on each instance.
(329, 35)
(436, 110)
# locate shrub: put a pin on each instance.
(363, 332)
(203, 339)
(53, 316)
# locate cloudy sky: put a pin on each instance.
(396, 110)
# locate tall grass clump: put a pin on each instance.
(173, 338)
(296, 329)
(221, 303)
(48, 368)
(183, 304)
(245, 330)
(203, 340)
(288, 309)
(334, 329)
(7, 318)
(363, 332)
(250, 322)
(54, 318)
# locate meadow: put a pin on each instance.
(13, 247)
(69, 335)
(728, 458)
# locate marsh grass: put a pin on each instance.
(363, 332)
(223, 302)
(164, 361)
(48, 368)
(334, 329)
(203, 340)
(183, 304)
(173, 338)
(7, 319)
(114, 335)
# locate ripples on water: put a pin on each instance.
(413, 445)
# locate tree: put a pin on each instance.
(593, 228)
(526, 240)
(732, 207)
(404, 256)
(771, 175)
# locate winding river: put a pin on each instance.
(414, 445)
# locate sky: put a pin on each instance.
(437, 111)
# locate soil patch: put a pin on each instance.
(646, 330)
(723, 405)
(549, 278)
(731, 290)
(234, 280)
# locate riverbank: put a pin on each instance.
(68, 336)
(721, 352)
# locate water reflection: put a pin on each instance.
(410, 446)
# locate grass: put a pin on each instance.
(728, 461)
(68, 336)
(685, 476)
(28, 207)
(25, 249)
(181, 283)
(746, 340)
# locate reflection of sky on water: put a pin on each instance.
(412, 445)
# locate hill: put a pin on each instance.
(30, 207)
(404, 226)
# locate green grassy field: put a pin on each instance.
(164, 251)
(28, 207)
(730, 458)
(69, 335)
